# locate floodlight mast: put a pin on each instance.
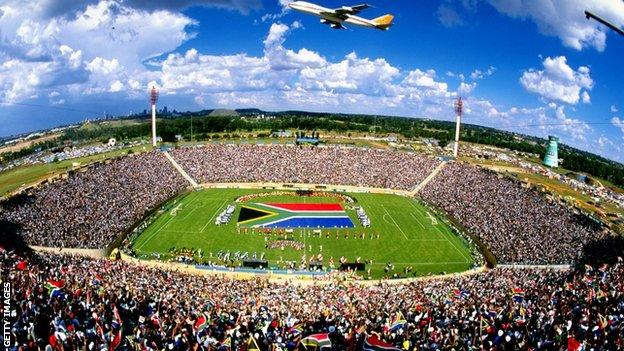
(153, 100)
(618, 30)
(459, 110)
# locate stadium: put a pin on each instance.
(278, 229)
(280, 226)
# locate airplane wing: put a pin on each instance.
(350, 10)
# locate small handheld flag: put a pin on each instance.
(517, 294)
(316, 341)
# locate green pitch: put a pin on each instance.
(402, 232)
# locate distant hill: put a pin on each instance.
(249, 111)
(221, 112)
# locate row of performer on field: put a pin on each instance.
(225, 216)
(227, 255)
(289, 233)
(363, 217)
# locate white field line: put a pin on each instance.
(179, 231)
(213, 216)
(174, 211)
(154, 234)
(395, 223)
(186, 215)
(417, 221)
(445, 237)
(434, 221)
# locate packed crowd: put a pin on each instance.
(517, 224)
(223, 163)
(90, 209)
(74, 303)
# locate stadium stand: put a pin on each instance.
(76, 303)
(90, 209)
(378, 168)
(517, 224)
(62, 302)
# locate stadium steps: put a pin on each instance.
(181, 170)
(428, 179)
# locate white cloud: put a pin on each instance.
(614, 109)
(275, 16)
(466, 88)
(103, 66)
(134, 84)
(116, 86)
(478, 74)
(618, 123)
(278, 69)
(585, 97)
(285, 59)
(35, 62)
(68, 9)
(194, 73)
(20, 79)
(576, 128)
(448, 16)
(565, 19)
(353, 74)
(558, 81)
(604, 142)
(276, 35)
(78, 52)
(480, 108)
(426, 79)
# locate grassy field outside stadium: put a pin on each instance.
(409, 234)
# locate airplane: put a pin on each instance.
(345, 14)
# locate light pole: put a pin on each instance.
(459, 110)
(153, 99)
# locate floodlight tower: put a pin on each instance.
(459, 110)
(153, 99)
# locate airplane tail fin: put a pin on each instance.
(383, 22)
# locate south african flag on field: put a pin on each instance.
(293, 215)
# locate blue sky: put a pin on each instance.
(533, 66)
